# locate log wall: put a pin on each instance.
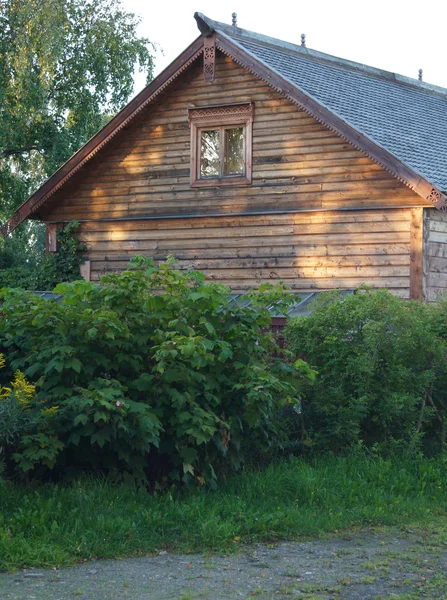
(435, 252)
(319, 214)
(307, 251)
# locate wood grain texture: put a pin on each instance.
(435, 253)
(308, 251)
(297, 162)
(416, 254)
(318, 215)
(51, 237)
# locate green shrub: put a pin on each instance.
(377, 359)
(15, 402)
(437, 398)
(151, 371)
(20, 416)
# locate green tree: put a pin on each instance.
(65, 67)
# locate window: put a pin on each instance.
(221, 140)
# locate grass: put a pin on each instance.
(54, 525)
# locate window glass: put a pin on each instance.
(234, 151)
(209, 153)
(221, 145)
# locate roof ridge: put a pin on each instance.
(243, 34)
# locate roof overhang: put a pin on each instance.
(229, 46)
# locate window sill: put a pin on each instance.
(224, 182)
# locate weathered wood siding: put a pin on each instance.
(435, 252)
(341, 223)
(306, 250)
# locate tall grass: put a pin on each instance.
(53, 525)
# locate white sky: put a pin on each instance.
(395, 35)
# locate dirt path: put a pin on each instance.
(367, 566)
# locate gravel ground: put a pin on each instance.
(366, 566)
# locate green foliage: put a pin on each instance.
(53, 525)
(153, 369)
(378, 359)
(24, 247)
(38, 448)
(20, 414)
(15, 418)
(65, 67)
(437, 398)
(42, 272)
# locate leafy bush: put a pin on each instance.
(20, 415)
(437, 397)
(152, 371)
(39, 271)
(378, 359)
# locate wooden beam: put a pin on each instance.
(52, 229)
(85, 270)
(416, 254)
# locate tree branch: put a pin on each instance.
(16, 151)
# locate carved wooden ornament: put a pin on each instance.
(209, 58)
(436, 198)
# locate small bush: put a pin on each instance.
(378, 359)
(437, 399)
(153, 372)
(20, 414)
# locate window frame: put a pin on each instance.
(220, 118)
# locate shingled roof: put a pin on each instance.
(405, 116)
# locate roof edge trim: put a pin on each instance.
(335, 123)
(206, 26)
(100, 139)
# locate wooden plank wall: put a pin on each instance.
(306, 250)
(298, 166)
(298, 163)
(435, 251)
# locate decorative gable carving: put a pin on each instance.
(209, 58)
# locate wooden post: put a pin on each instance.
(85, 270)
(416, 254)
(52, 229)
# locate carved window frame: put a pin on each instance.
(219, 117)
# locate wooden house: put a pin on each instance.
(253, 159)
